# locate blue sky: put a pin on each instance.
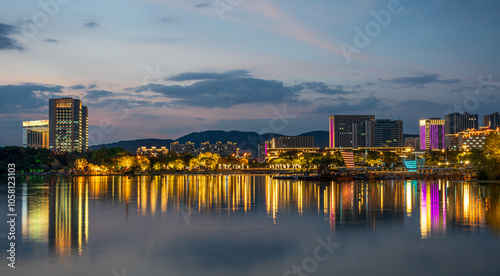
(162, 69)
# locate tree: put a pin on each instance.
(390, 159)
(126, 162)
(80, 164)
(56, 165)
(487, 161)
(492, 146)
(306, 160)
(373, 158)
(143, 163)
(194, 163)
(176, 165)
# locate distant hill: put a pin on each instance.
(133, 145)
(320, 138)
(247, 140)
(243, 138)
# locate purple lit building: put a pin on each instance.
(432, 134)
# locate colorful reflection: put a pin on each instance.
(57, 212)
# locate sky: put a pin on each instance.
(166, 68)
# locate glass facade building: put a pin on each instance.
(68, 124)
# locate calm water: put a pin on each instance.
(252, 225)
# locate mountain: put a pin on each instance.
(133, 145)
(320, 138)
(246, 140)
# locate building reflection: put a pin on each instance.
(69, 215)
(57, 213)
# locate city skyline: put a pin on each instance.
(178, 68)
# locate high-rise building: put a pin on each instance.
(456, 122)
(384, 133)
(492, 120)
(359, 135)
(432, 135)
(36, 134)
(68, 125)
(341, 129)
(378, 133)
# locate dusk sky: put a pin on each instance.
(165, 68)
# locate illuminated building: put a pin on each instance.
(273, 152)
(470, 139)
(492, 120)
(378, 133)
(277, 146)
(432, 136)
(456, 122)
(412, 142)
(220, 148)
(341, 129)
(293, 142)
(68, 125)
(451, 142)
(177, 148)
(36, 134)
(153, 151)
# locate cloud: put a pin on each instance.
(50, 40)
(421, 80)
(26, 97)
(6, 42)
(209, 76)
(202, 5)
(120, 104)
(369, 103)
(236, 87)
(322, 88)
(97, 94)
(225, 93)
(77, 87)
(91, 24)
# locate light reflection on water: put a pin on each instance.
(83, 218)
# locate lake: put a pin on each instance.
(251, 225)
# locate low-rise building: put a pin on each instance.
(177, 148)
(277, 146)
(153, 151)
(413, 142)
(36, 134)
(220, 148)
(475, 139)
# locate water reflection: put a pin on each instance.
(57, 212)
